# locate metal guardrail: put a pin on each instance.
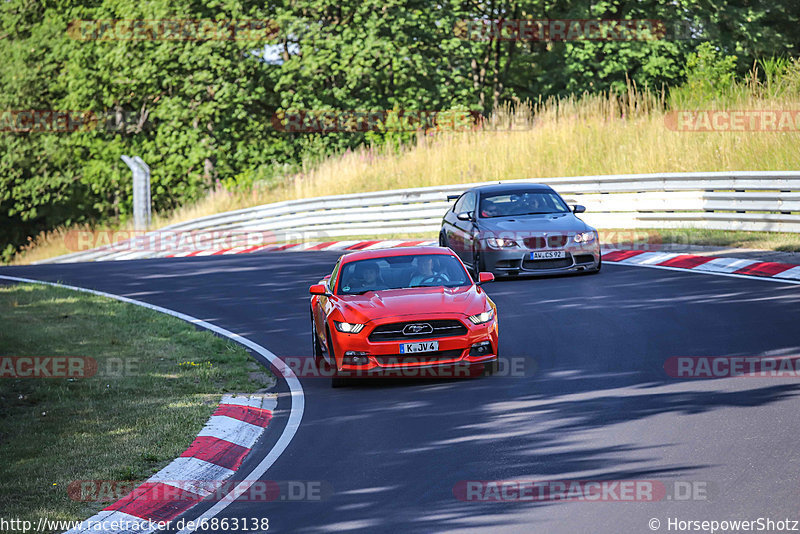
(754, 201)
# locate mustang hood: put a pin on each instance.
(418, 302)
(531, 224)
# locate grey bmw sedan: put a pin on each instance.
(519, 229)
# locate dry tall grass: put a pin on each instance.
(579, 135)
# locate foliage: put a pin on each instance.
(200, 112)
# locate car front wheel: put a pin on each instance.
(316, 347)
(337, 380)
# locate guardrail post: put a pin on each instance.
(141, 191)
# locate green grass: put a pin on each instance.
(144, 406)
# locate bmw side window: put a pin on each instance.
(469, 203)
(458, 204)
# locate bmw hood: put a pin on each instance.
(532, 224)
(416, 301)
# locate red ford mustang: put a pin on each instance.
(405, 309)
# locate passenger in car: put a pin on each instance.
(368, 276)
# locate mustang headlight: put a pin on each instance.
(499, 242)
(348, 328)
(585, 237)
(484, 317)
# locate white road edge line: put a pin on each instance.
(683, 270)
(296, 391)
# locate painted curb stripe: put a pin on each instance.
(233, 430)
(686, 261)
(650, 258)
(621, 255)
(248, 414)
(793, 273)
(217, 451)
(106, 517)
(734, 267)
(765, 268)
(192, 474)
(320, 246)
(267, 402)
(156, 502)
(724, 265)
(363, 244)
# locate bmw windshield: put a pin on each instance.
(402, 272)
(521, 202)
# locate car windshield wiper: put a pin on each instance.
(373, 289)
(359, 292)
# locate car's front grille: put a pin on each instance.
(547, 264)
(584, 258)
(534, 242)
(424, 358)
(552, 241)
(438, 328)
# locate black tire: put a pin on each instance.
(316, 346)
(442, 239)
(599, 266)
(491, 368)
(337, 380)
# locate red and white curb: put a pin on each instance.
(215, 455)
(778, 272)
(308, 246)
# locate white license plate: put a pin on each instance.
(421, 346)
(548, 254)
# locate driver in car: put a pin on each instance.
(368, 277)
(427, 274)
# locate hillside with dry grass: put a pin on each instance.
(575, 136)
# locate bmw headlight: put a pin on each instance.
(499, 242)
(585, 237)
(484, 317)
(348, 328)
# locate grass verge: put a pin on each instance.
(158, 380)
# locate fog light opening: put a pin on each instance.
(481, 349)
(354, 357)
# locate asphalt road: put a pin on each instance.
(594, 403)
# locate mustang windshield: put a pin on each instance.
(522, 202)
(402, 272)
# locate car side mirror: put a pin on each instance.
(577, 208)
(485, 277)
(464, 216)
(318, 289)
